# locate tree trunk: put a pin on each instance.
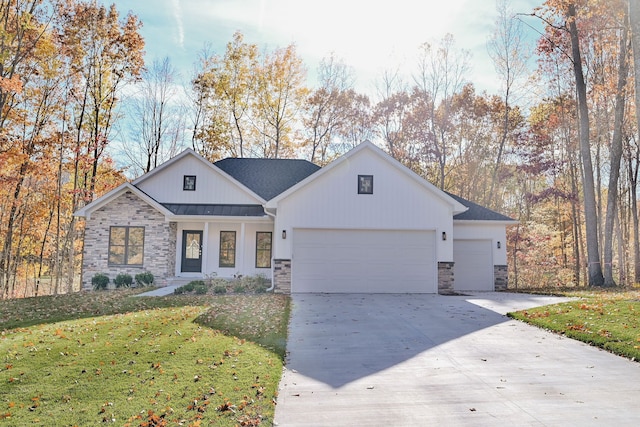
(634, 21)
(615, 157)
(594, 267)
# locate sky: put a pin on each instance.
(369, 36)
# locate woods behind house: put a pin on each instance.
(556, 147)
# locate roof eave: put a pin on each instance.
(221, 218)
(486, 222)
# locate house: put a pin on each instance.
(363, 223)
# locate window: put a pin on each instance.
(365, 184)
(189, 183)
(126, 245)
(227, 249)
(263, 249)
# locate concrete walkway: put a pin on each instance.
(159, 292)
(431, 360)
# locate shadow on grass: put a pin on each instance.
(258, 318)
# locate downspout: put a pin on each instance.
(273, 279)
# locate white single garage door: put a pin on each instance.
(473, 265)
(363, 261)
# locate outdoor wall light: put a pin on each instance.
(444, 235)
(284, 234)
(499, 245)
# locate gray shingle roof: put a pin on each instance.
(477, 212)
(267, 177)
(219, 210)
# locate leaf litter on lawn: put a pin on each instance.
(149, 366)
(607, 319)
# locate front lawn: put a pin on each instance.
(108, 357)
(606, 319)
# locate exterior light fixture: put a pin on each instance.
(499, 245)
(284, 235)
(444, 235)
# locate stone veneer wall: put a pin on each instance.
(445, 277)
(159, 240)
(282, 276)
(500, 277)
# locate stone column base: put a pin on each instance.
(282, 276)
(445, 277)
(500, 277)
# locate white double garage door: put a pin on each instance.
(382, 261)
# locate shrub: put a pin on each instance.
(100, 281)
(261, 289)
(220, 289)
(198, 286)
(144, 279)
(239, 288)
(257, 284)
(123, 280)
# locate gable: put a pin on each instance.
(331, 199)
(212, 186)
(108, 198)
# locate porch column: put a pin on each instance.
(205, 247)
(241, 249)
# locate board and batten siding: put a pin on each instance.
(331, 201)
(212, 186)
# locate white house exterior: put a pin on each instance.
(364, 223)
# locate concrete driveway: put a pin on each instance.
(431, 360)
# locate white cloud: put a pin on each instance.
(177, 15)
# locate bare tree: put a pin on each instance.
(442, 72)
(510, 53)
(326, 109)
(157, 128)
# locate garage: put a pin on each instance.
(358, 261)
(473, 265)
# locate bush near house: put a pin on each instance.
(123, 280)
(144, 279)
(219, 286)
(100, 281)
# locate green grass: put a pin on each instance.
(606, 319)
(107, 357)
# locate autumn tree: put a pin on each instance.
(567, 36)
(224, 88)
(28, 96)
(280, 93)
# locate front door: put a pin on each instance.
(191, 251)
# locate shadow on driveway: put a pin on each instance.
(408, 360)
(337, 339)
